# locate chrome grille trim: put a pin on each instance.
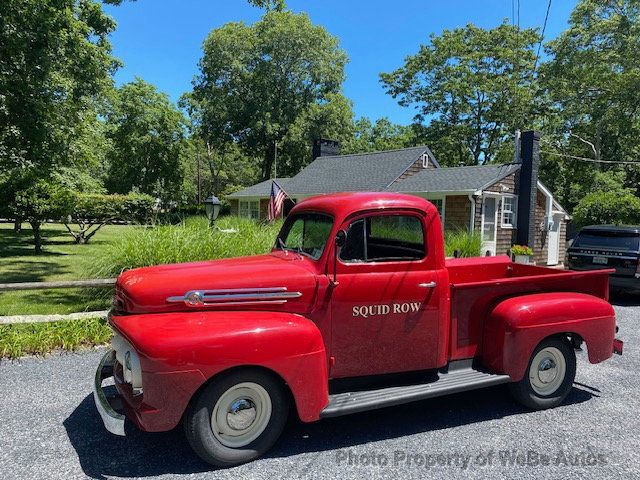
(235, 296)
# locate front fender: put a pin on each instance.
(517, 325)
(211, 342)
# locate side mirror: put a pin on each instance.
(341, 238)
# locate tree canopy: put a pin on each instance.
(257, 81)
(146, 132)
(473, 86)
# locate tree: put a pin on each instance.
(474, 87)
(256, 81)
(380, 135)
(277, 5)
(41, 201)
(56, 60)
(147, 133)
(606, 207)
(55, 66)
(90, 212)
(593, 83)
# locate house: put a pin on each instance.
(506, 203)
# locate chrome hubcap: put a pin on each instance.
(547, 371)
(241, 414)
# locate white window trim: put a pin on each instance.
(514, 211)
(248, 202)
(444, 206)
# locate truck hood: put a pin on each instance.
(263, 282)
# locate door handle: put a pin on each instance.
(427, 285)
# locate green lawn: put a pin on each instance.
(60, 260)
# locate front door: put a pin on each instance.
(553, 239)
(386, 306)
(489, 224)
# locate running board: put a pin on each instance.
(454, 381)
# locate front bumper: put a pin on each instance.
(113, 421)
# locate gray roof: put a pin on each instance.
(455, 179)
(262, 189)
(350, 173)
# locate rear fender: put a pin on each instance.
(210, 343)
(517, 325)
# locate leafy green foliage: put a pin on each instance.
(476, 85)
(41, 338)
(608, 207)
(147, 133)
(593, 83)
(465, 243)
(92, 211)
(191, 241)
(56, 59)
(257, 81)
(521, 250)
(379, 135)
(40, 202)
(277, 5)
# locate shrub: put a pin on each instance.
(39, 202)
(192, 240)
(521, 250)
(93, 210)
(608, 207)
(465, 243)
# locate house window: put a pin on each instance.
(439, 204)
(509, 205)
(249, 209)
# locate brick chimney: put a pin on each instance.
(325, 148)
(528, 187)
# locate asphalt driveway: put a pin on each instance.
(49, 429)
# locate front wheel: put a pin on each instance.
(549, 376)
(237, 418)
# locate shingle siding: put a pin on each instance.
(457, 209)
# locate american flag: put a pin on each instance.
(276, 201)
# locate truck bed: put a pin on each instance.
(478, 284)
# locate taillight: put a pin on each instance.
(638, 269)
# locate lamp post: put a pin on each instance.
(212, 208)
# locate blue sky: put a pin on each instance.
(161, 40)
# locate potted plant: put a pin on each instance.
(522, 254)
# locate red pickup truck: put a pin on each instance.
(355, 308)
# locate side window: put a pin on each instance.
(384, 238)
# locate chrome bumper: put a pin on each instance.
(113, 421)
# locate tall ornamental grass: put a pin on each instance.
(189, 241)
(467, 244)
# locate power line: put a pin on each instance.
(544, 27)
(592, 160)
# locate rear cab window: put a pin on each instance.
(384, 238)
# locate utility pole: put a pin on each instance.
(275, 159)
(198, 169)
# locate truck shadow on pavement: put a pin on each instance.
(148, 454)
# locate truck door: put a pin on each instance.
(386, 307)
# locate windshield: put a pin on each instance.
(613, 240)
(305, 233)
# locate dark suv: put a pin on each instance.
(609, 246)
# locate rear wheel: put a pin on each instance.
(549, 376)
(237, 418)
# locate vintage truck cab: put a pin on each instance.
(356, 287)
